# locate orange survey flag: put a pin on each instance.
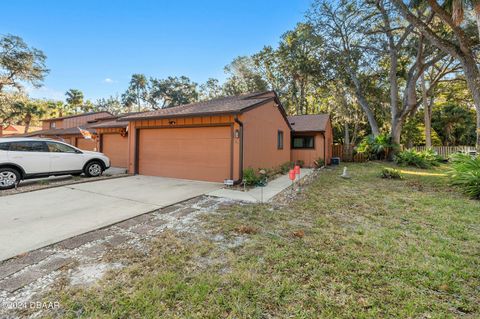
(86, 134)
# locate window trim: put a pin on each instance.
(303, 137)
(280, 142)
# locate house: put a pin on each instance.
(66, 129)
(10, 129)
(312, 138)
(212, 140)
(216, 140)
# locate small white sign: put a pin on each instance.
(228, 182)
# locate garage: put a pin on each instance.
(115, 146)
(87, 145)
(197, 153)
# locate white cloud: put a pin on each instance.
(109, 81)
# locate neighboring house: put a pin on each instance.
(312, 138)
(66, 129)
(10, 130)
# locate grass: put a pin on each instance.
(365, 247)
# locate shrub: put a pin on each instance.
(376, 147)
(319, 163)
(465, 173)
(424, 159)
(390, 173)
(286, 167)
(250, 177)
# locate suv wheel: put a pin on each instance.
(8, 178)
(94, 169)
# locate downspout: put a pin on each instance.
(240, 162)
(324, 149)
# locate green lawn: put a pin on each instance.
(358, 248)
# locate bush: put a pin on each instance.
(424, 159)
(376, 148)
(250, 177)
(319, 163)
(390, 173)
(286, 167)
(465, 173)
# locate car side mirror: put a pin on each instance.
(78, 152)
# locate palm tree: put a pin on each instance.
(74, 98)
(27, 110)
(139, 84)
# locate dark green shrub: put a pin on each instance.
(465, 173)
(250, 177)
(424, 159)
(376, 147)
(390, 173)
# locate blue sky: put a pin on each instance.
(95, 46)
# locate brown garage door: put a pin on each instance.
(115, 147)
(192, 153)
(87, 145)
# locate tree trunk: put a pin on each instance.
(428, 114)
(346, 140)
(393, 83)
(477, 17)
(472, 75)
(27, 120)
(363, 103)
(396, 130)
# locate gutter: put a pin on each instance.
(240, 163)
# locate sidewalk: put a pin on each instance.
(255, 195)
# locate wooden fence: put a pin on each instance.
(348, 155)
(446, 151)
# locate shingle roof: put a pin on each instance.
(309, 123)
(75, 115)
(223, 105)
(62, 131)
(115, 121)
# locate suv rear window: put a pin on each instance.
(28, 146)
(4, 146)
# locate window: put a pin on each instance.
(303, 142)
(280, 140)
(53, 124)
(28, 146)
(60, 148)
(4, 146)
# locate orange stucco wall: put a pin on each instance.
(261, 125)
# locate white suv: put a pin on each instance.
(24, 158)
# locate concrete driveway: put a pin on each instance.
(32, 220)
